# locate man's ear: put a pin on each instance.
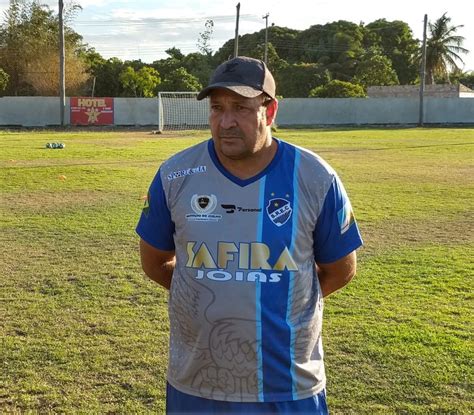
(271, 112)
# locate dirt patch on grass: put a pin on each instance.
(51, 201)
(396, 233)
(34, 164)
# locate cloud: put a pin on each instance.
(159, 24)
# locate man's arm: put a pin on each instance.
(335, 275)
(157, 264)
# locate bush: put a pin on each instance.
(4, 77)
(338, 89)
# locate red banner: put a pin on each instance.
(92, 111)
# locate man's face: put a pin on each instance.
(238, 124)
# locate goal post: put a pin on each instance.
(182, 111)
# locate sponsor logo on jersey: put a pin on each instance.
(252, 261)
(279, 211)
(186, 172)
(345, 217)
(203, 206)
(234, 208)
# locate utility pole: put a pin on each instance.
(423, 73)
(62, 71)
(236, 41)
(93, 87)
(265, 58)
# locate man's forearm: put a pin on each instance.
(157, 264)
(335, 275)
(162, 274)
(329, 284)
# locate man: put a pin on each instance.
(248, 233)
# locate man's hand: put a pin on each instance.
(335, 275)
(157, 264)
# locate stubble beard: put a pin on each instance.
(231, 144)
(237, 148)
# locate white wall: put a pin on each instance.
(136, 111)
(360, 111)
(44, 111)
(31, 111)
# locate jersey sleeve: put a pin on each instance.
(336, 233)
(155, 225)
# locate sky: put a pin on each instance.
(144, 29)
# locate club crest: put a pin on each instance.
(203, 204)
(279, 211)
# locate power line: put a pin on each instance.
(158, 21)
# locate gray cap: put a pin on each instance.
(245, 76)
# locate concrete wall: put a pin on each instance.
(449, 111)
(360, 111)
(44, 111)
(136, 111)
(31, 111)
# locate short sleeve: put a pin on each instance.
(336, 233)
(155, 225)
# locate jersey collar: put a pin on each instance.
(237, 180)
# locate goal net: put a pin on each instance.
(182, 111)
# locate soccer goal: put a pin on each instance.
(182, 111)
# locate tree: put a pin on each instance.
(166, 66)
(284, 41)
(180, 80)
(175, 53)
(297, 80)
(443, 49)
(375, 69)
(28, 36)
(93, 61)
(467, 79)
(204, 41)
(274, 62)
(337, 45)
(141, 83)
(199, 65)
(107, 74)
(149, 79)
(395, 41)
(129, 80)
(4, 77)
(458, 76)
(338, 89)
(43, 74)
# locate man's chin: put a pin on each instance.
(233, 152)
(230, 144)
(230, 139)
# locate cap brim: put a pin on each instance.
(243, 90)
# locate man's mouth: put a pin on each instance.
(230, 134)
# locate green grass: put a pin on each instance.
(83, 331)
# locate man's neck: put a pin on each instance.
(250, 166)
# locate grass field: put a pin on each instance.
(83, 331)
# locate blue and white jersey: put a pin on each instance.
(245, 303)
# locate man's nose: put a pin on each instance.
(228, 120)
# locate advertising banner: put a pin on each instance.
(92, 111)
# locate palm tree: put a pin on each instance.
(443, 49)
